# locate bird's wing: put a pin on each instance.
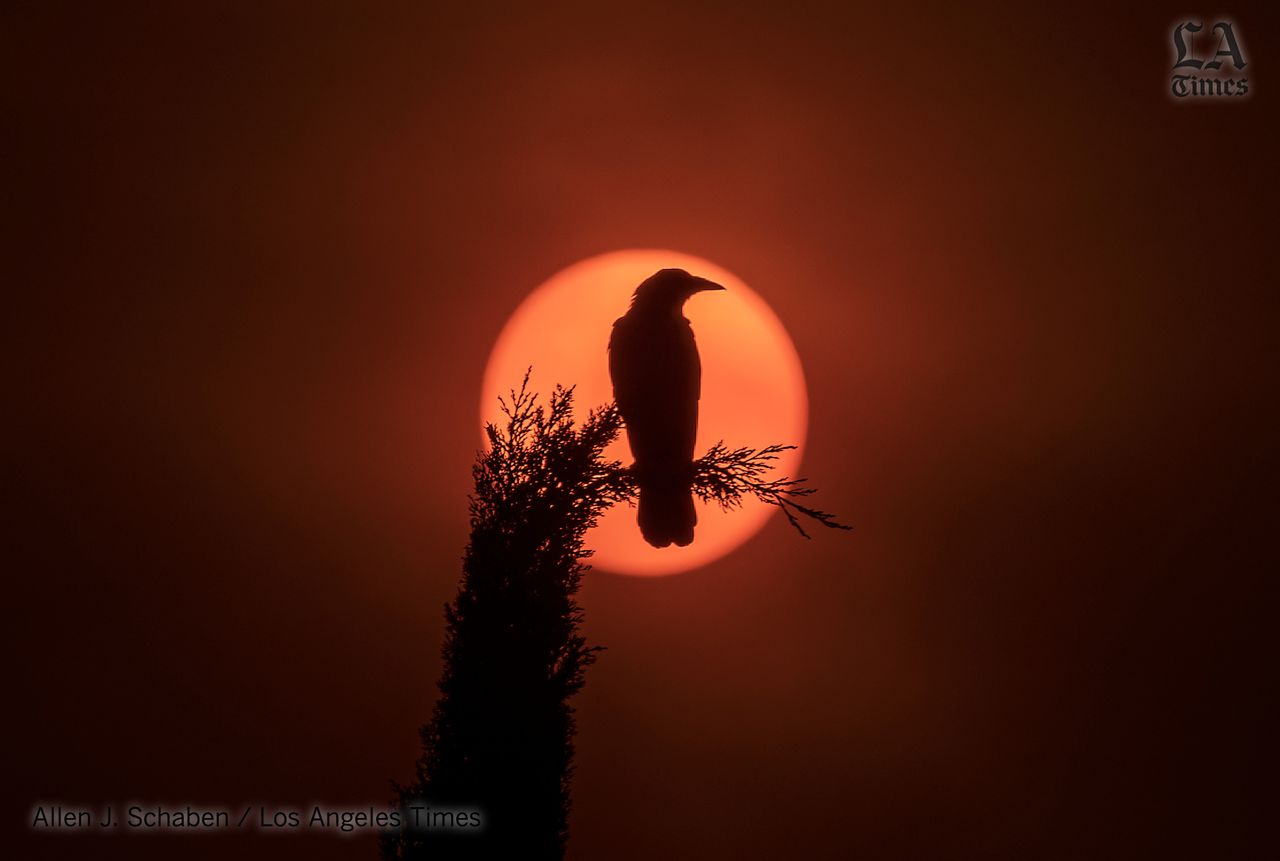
(656, 383)
(689, 385)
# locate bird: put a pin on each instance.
(657, 382)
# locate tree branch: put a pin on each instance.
(728, 476)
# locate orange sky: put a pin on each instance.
(263, 256)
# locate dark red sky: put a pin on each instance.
(261, 256)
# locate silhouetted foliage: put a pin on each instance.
(500, 739)
(728, 476)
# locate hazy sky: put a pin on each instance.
(262, 256)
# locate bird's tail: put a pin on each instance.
(666, 511)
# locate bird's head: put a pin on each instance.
(667, 289)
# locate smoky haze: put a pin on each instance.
(262, 256)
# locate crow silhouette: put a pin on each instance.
(657, 381)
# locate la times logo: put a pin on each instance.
(1200, 75)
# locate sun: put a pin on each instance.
(753, 388)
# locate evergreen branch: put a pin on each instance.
(513, 651)
(728, 476)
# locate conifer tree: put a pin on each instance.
(500, 739)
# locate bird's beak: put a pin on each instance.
(704, 284)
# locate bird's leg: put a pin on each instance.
(640, 472)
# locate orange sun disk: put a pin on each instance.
(753, 389)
